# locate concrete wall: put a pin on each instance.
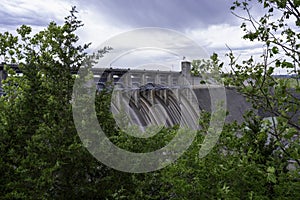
(236, 104)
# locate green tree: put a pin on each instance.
(42, 156)
(258, 159)
(271, 144)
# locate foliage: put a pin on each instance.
(42, 156)
(273, 142)
(276, 96)
(208, 70)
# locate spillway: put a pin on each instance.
(156, 106)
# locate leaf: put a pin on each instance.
(271, 178)
(271, 170)
(290, 133)
(275, 50)
(286, 64)
(271, 10)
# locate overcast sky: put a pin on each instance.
(208, 22)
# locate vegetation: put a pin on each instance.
(42, 156)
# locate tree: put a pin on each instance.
(258, 159)
(41, 154)
(273, 143)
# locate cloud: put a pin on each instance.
(34, 12)
(150, 45)
(221, 35)
(96, 29)
(209, 23)
(174, 14)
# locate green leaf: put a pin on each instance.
(271, 10)
(286, 64)
(275, 50)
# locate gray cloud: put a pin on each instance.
(9, 19)
(35, 13)
(175, 14)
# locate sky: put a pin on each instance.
(122, 24)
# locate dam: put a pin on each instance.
(166, 98)
(154, 97)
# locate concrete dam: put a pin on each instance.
(164, 98)
(159, 98)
